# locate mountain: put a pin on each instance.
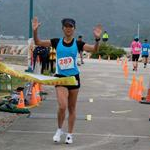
(120, 18)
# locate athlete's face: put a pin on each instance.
(68, 30)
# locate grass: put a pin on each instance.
(8, 84)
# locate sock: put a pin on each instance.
(59, 129)
(69, 134)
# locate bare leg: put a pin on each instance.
(81, 56)
(72, 100)
(62, 97)
(134, 65)
(145, 61)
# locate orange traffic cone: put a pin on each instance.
(125, 69)
(122, 62)
(33, 100)
(135, 91)
(37, 90)
(99, 58)
(125, 65)
(21, 101)
(146, 100)
(141, 80)
(108, 57)
(148, 96)
(139, 89)
(131, 89)
(126, 59)
(40, 87)
(126, 73)
(118, 60)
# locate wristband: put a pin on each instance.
(97, 39)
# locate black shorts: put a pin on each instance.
(70, 87)
(146, 56)
(105, 39)
(135, 57)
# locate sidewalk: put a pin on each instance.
(118, 123)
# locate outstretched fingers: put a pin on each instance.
(35, 23)
(97, 31)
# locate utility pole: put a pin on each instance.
(30, 18)
(30, 43)
(138, 31)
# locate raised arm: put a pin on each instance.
(35, 26)
(97, 33)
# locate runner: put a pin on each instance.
(145, 53)
(67, 49)
(135, 50)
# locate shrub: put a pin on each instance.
(106, 50)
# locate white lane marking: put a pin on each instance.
(119, 118)
(121, 112)
(84, 117)
(108, 95)
(81, 134)
(103, 141)
(80, 99)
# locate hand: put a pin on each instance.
(35, 23)
(97, 31)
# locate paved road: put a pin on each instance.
(118, 123)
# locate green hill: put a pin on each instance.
(119, 17)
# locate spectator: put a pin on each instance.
(40, 57)
(52, 58)
(81, 50)
(105, 36)
(30, 54)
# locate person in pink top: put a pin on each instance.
(135, 50)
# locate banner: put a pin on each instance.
(48, 80)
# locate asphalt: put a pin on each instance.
(117, 122)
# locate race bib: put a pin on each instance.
(145, 49)
(137, 49)
(66, 63)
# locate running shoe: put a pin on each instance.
(57, 136)
(69, 139)
(78, 64)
